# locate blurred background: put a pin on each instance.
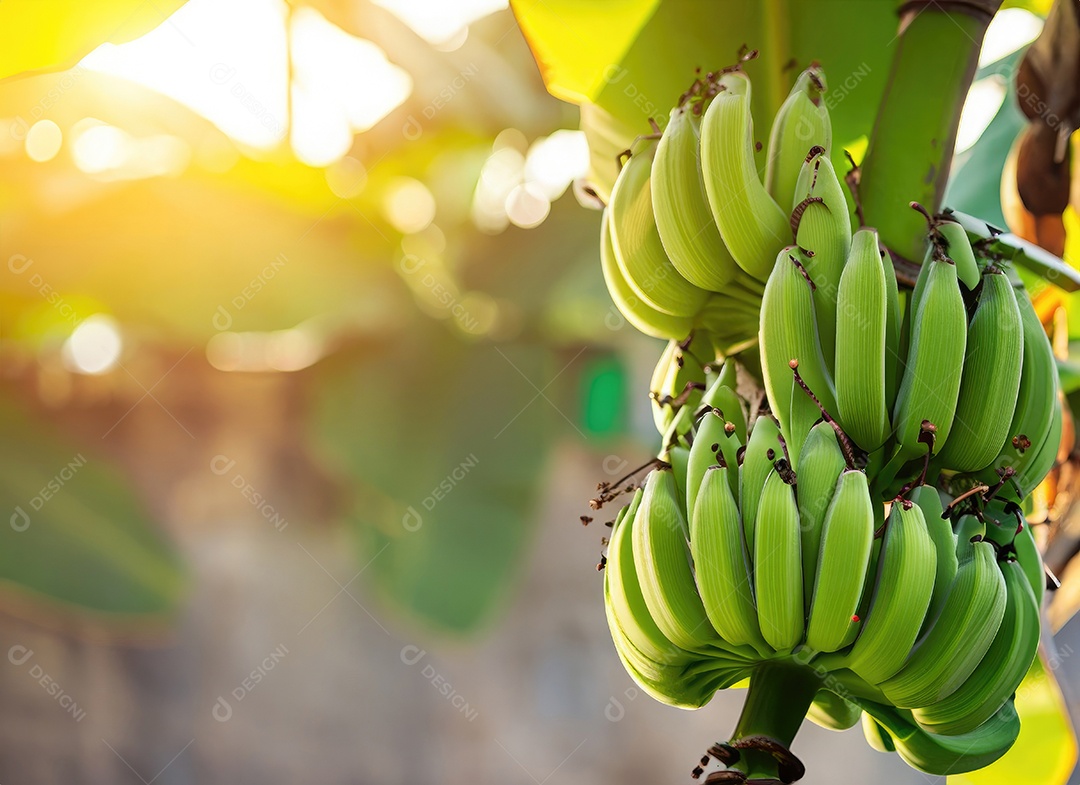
(307, 374)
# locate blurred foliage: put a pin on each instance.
(433, 341)
(624, 72)
(451, 516)
(65, 30)
(77, 539)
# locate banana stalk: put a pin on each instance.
(911, 147)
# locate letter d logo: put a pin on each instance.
(222, 711)
(20, 521)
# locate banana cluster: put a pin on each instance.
(691, 231)
(729, 564)
(852, 544)
(953, 382)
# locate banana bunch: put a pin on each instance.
(691, 231)
(852, 547)
(951, 383)
(920, 616)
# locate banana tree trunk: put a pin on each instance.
(911, 148)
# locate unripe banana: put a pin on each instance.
(820, 468)
(929, 501)
(624, 598)
(638, 249)
(991, 379)
(789, 333)
(822, 227)
(721, 395)
(833, 712)
(1036, 399)
(931, 381)
(876, 735)
(688, 686)
(941, 755)
(683, 377)
(640, 314)
(952, 648)
(714, 443)
(845, 551)
(778, 583)
(801, 123)
(894, 358)
(1030, 561)
(861, 324)
(662, 560)
(1032, 473)
(1000, 672)
(905, 581)
(752, 224)
(721, 563)
(959, 250)
(762, 451)
(678, 457)
(683, 216)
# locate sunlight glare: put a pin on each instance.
(43, 141)
(439, 22)
(94, 346)
(982, 105)
(225, 59)
(1010, 29)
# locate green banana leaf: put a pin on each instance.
(444, 445)
(74, 539)
(48, 35)
(625, 61)
(1045, 752)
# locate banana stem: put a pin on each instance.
(780, 694)
(911, 147)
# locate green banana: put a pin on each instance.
(640, 314)
(1030, 560)
(714, 443)
(861, 324)
(683, 217)
(624, 596)
(905, 582)
(958, 639)
(821, 225)
(778, 583)
(931, 381)
(801, 123)
(762, 450)
(941, 755)
(721, 562)
(638, 248)
(991, 379)
(1001, 670)
(789, 334)
(1034, 471)
(833, 712)
(929, 501)
(959, 250)
(893, 329)
(1036, 399)
(752, 224)
(846, 538)
(662, 560)
(822, 462)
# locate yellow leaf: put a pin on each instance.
(50, 35)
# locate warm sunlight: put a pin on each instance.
(227, 61)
